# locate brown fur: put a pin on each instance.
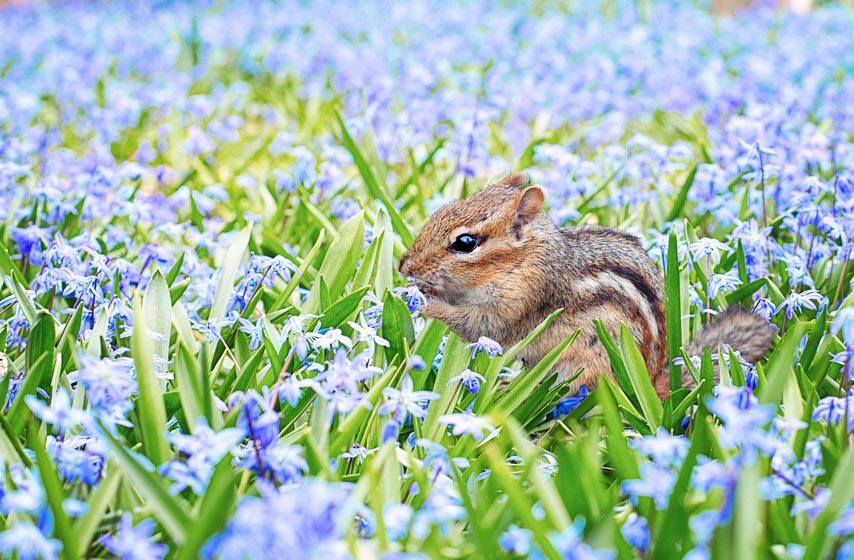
(525, 268)
(737, 327)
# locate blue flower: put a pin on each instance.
(404, 401)
(656, 482)
(568, 404)
(302, 520)
(109, 385)
(27, 542)
(636, 532)
(569, 545)
(198, 455)
(467, 423)
(515, 540)
(845, 524)
(471, 380)
(485, 344)
(843, 323)
(254, 330)
(664, 449)
(133, 542)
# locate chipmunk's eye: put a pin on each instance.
(465, 243)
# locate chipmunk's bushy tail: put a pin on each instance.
(740, 329)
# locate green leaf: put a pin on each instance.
(454, 360)
(519, 501)
(40, 355)
(151, 412)
(157, 307)
(639, 377)
(672, 527)
(366, 274)
(523, 385)
(397, 326)
(85, 527)
(673, 309)
(17, 284)
(214, 508)
(749, 510)
(189, 381)
(618, 365)
(228, 273)
(780, 365)
(743, 293)
(624, 462)
(282, 298)
(372, 184)
(340, 311)
(841, 493)
(816, 333)
(169, 512)
(339, 264)
(385, 264)
(54, 494)
(682, 197)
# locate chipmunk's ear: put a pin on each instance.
(529, 206)
(514, 181)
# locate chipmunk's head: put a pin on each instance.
(471, 251)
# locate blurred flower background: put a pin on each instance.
(205, 349)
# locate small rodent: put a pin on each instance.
(495, 265)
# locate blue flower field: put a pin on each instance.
(206, 350)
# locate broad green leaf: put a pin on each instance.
(189, 386)
(673, 309)
(339, 264)
(487, 393)
(522, 386)
(170, 513)
(454, 360)
(216, 505)
(40, 356)
(231, 262)
(385, 265)
(841, 489)
(85, 527)
(780, 366)
(157, 307)
(53, 493)
(17, 285)
(397, 326)
(150, 410)
(639, 378)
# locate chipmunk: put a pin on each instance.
(495, 265)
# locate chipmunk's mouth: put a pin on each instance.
(429, 291)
